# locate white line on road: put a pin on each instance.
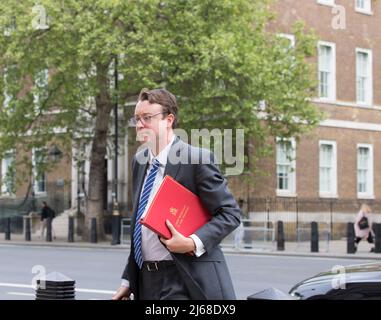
(29, 286)
(95, 291)
(16, 285)
(21, 294)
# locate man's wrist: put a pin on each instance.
(192, 245)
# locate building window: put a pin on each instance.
(285, 163)
(327, 70)
(289, 37)
(364, 6)
(364, 85)
(40, 88)
(8, 174)
(39, 174)
(327, 169)
(9, 77)
(364, 171)
(326, 2)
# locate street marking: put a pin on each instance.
(95, 291)
(16, 285)
(21, 294)
(29, 286)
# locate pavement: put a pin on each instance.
(331, 249)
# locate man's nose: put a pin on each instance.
(139, 124)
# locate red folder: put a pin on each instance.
(177, 204)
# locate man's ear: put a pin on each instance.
(171, 119)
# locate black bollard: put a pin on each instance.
(115, 230)
(93, 235)
(7, 228)
(49, 230)
(351, 238)
(70, 237)
(377, 236)
(27, 229)
(280, 238)
(314, 237)
(55, 286)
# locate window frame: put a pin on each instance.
(332, 89)
(291, 191)
(367, 10)
(41, 81)
(7, 155)
(369, 97)
(34, 173)
(333, 193)
(370, 174)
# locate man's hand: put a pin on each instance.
(123, 293)
(178, 243)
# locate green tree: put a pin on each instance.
(216, 55)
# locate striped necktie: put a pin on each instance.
(142, 205)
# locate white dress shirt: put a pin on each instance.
(152, 248)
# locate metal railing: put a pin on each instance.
(295, 212)
(125, 230)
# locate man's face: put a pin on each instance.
(151, 129)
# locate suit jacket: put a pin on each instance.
(206, 277)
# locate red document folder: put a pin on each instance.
(177, 204)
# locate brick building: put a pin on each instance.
(336, 167)
(339, 159)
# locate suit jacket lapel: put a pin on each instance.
(142, 163)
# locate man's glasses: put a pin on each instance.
(146, 119)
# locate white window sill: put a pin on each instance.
(363, 11)
(365, 196)
(346, 103)
(364, 104)
(328, 195)
(284, 193)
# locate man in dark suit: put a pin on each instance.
(181, 267)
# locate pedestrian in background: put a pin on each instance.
(363, 226)
(46, 213)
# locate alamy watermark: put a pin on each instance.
(39, 277)
(338, 22)
(40, 18)
(226, 147)
(339, 279)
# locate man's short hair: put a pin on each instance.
(163, 97)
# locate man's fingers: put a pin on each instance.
(171, 227)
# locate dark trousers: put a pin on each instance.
(160, 280)
(369, 238)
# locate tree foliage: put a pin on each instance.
(217, 56)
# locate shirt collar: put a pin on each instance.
(162, 157)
